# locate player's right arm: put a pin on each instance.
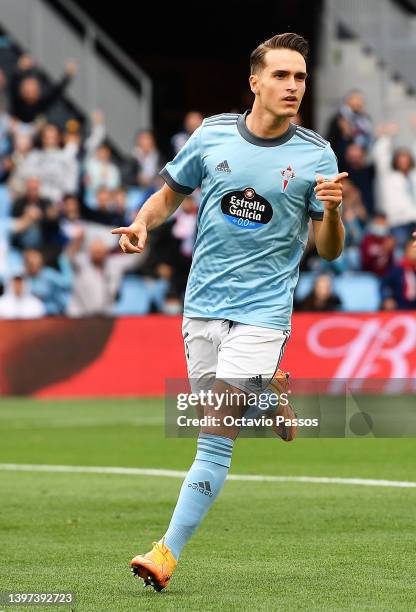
(153, 213)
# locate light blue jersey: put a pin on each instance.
(257, 199)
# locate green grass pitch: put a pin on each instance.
(263, 545)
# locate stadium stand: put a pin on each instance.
(66, 179)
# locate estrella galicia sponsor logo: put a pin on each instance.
(246, 209)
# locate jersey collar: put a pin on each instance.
(262, 142)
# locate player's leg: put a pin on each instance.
(205, 477)
(248, 358)
(208, 472)
(247, 355)
(242, 354)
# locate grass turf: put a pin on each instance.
(263, 546)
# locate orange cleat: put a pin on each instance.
(280, 385)
(155, 567)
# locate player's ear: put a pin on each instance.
(253, 80)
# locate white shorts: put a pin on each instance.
(245, 356)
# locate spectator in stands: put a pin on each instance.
(398, 286)
(192, 121)
(351, 124)
(147, 158)
(354, 216)
(361, 173)
(353, 210)
(377, 247)
(72, 145)
(172, 304)
(70, 222)
(97, 278)
(25, 67)
(107, 210)
(55, 167)
(31, 197)
(27, 232)
(49, 285)
(18, 303)
(396, 177)
(81, 150)
(22, 146)
(119, 198)
(97, 134)
(31, 206)
(72, 134)
(28, 101)
(100, 171)
(321, 298)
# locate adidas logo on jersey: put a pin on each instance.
(223, 167)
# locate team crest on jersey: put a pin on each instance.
(288, 174)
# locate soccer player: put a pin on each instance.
(262, 180)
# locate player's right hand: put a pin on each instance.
(133, 238)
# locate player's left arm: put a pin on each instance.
(329, 233)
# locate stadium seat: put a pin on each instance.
(11, 264)
(358, 291)
(137, 295)
(134, 198)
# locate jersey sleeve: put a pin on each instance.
(328, 168)
(184, 173)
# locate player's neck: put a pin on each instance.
(264, 124)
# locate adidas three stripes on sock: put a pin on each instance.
(200, 488)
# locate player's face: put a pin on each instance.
(280, 86)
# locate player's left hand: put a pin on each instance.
(329, 191)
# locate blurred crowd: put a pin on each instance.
(62, 189)
(379, 211)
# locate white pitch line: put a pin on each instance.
(76, 469)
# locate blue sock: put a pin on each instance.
(200, 488)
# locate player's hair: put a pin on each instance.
(288, 40)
